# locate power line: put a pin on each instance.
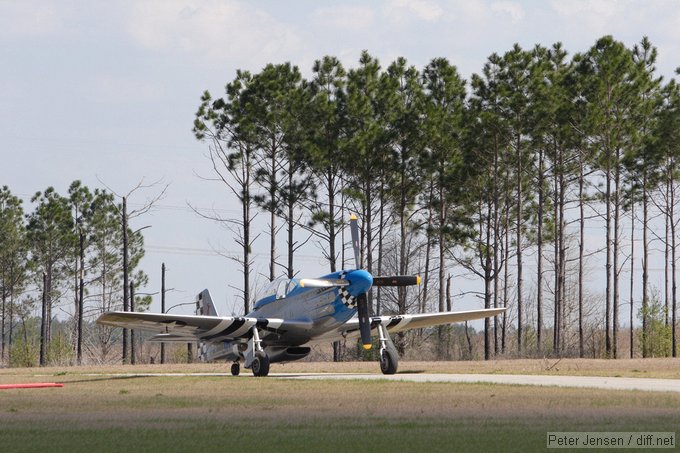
(195, 251)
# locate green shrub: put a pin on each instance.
(658, 339)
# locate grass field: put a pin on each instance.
(98, 412)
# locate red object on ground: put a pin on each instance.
(35, 385)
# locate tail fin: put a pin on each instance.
(204, 304)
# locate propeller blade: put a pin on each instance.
(364, 320)
(322, 282)
(354, 229)
(397, 280)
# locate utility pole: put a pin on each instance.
(126, 296)
(81, 291)
(162, 307)
(43, 322)
(132, 331)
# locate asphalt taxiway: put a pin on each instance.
(600, 382)
(609, 383)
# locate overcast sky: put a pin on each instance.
(107, 90)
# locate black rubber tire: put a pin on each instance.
(260, 366)
(235, 369)
(388, 362)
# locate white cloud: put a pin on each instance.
(472, 10)
(28, 18)
(126, 89)
(211, 28)
(594, 16)
(670, 25)
(404, 10)
(512, 9)
(345, 17)
(577, 7)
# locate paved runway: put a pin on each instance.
(609, 383)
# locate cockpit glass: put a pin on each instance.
(280, 287)
(292, 284)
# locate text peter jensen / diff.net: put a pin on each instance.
(610, 440)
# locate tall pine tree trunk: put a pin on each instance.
(126, 284)
(496, 247)
(539, 244)
(246, 233)
(667, 244)
(331, 219)
(632, 269)
(674, 349)
(645, 260)
(556, 260)
(563, 250)
(608, 265)
(506, 261)
(485, 258)
(290, 222)
(581, 247)
(428, 249)
(272, 213)
(617, 211)
(442, 248)
(520, 304)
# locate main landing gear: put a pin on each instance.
(256, 357)
(235, 369)
(260, 365)
(389, 357)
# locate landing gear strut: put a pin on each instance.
(389, 358)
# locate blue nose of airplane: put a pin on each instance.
(360, 281)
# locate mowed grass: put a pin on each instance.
(159, 413)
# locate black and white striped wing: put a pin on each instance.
(193, 328)
(399, 323)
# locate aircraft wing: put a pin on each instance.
(183, 328)
(399, 323)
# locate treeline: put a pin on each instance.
(500, 175)
(72, 255)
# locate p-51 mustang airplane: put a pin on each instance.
(294, 314)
